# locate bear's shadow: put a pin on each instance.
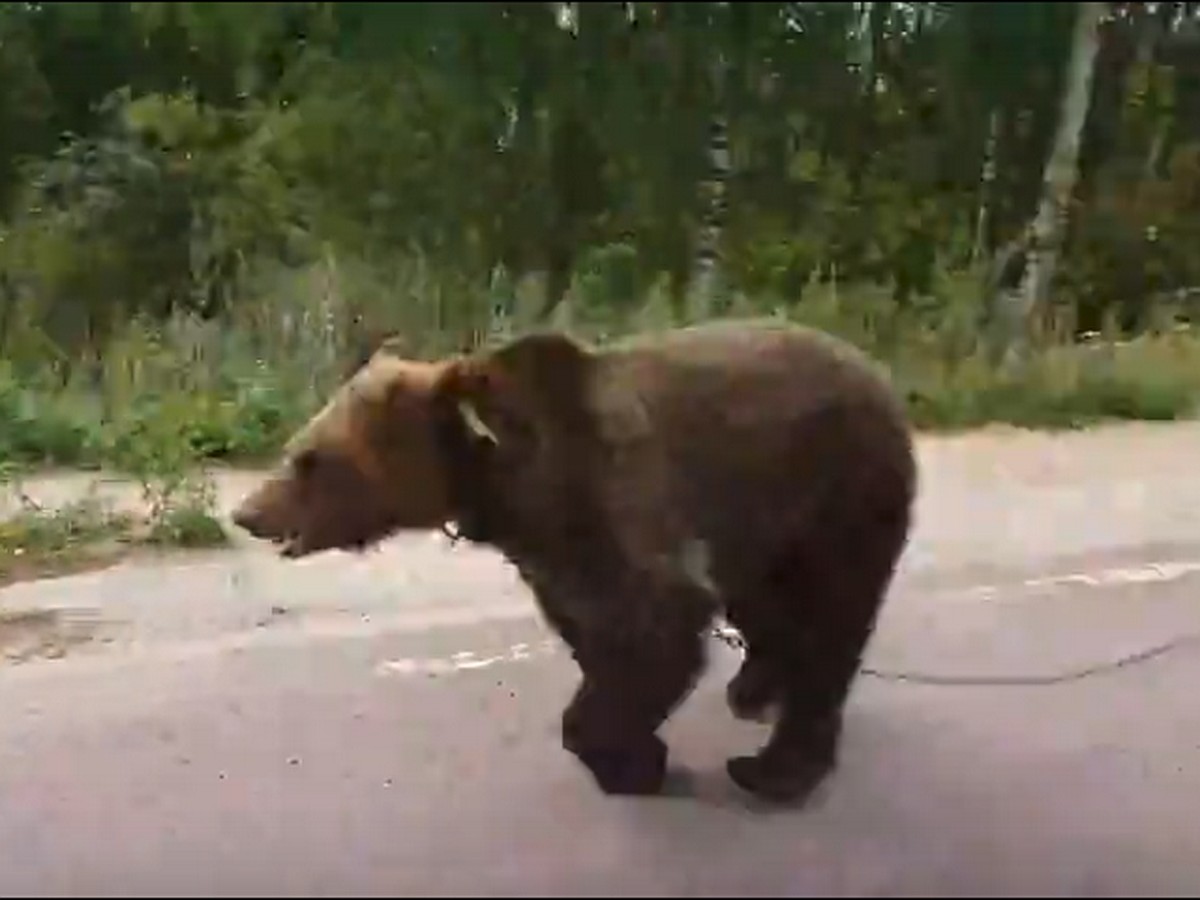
(712, 787)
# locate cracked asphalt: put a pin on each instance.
(229, 724)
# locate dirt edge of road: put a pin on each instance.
(960, 460)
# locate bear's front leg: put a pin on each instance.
(624, 759)
(630, 765)
(626, 693)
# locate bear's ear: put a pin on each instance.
(532, 386)
(373, 342)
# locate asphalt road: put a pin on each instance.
(387, 725)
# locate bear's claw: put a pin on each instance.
(640, 771)
(770, 779)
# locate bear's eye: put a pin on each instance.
(307, 463)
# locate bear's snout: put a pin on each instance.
(264, 523)
(249, 520)
(260, 514)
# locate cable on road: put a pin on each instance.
(732, 638)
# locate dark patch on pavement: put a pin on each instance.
(34, 566)
(44, 633)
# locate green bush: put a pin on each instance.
(169, 398)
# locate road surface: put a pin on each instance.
(232, 724)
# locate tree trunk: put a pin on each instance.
(983, 224)
(1061, 173)
(1154, 28)
(707, 272)
(707, 277)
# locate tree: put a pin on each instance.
(1061, 173)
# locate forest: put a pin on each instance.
(208, 210)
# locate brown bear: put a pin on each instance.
(754, 468)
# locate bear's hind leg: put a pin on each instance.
(825, 606)
(758, 684)
(802, 748)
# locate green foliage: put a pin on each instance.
(81, 522)
(196, 237)
(153, 216)
(1056, 394)
(37, 543)
(179, 511)
(188, 394)
(1134, 247)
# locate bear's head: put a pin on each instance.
(411, 445)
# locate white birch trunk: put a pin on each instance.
(1062, 171)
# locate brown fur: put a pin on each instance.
(762, 469)
(362, 468)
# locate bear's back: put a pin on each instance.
(761, 423)
(730, 376)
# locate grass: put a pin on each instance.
(36, 543)
(158, 401)
(87, 533)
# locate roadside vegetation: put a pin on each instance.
(1000, 202)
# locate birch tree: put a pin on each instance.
(1061, 173)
